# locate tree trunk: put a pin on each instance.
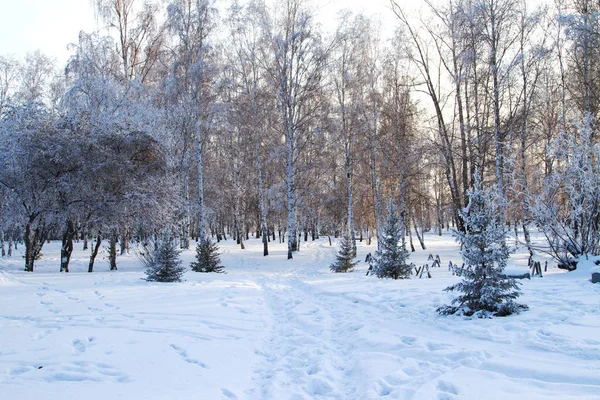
(201, 228)
(84, 237)
(112, 250)
(261, 199)
(29, 245)
(406, 223)
(125, 242)
(185, 225)
(447, 149)
(374, 181)
(67, 246)
(524, 133)
(498, 136)
(291, 204)
(237, 221)
(34, 240)
(420, 236)
(94, 253)
(349, 200)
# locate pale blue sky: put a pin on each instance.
(47, 25)
(50, 25)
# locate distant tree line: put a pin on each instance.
(253, 120)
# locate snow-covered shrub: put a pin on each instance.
(568, 209)
(162, 261)
(345, 256)
(391, 260)
(484, 290)
(207, 257)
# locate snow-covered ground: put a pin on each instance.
(277, 329)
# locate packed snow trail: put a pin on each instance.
(277, 329)
(331, 339)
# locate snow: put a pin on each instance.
(587, 265)
(272, 328)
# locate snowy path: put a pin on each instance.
(276, 329)
(336, 340)
(303, 353)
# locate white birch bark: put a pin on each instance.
(201, 220)
(498, 138)
(299, 62)
(261, 203)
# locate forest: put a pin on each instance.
(251, 119)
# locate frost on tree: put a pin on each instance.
(207, 257)
(344, 260)
(391, 260)
(162, 263)
(567, 210)
(484, 290)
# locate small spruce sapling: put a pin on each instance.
(162, 261)
(484, 289)
(345, 256)
(391, 260)
(207, 257)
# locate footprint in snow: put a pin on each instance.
(409, 340)
(85, 372)
(80, 346)
(383, 388)
(74, 299)
(229, 394)
(50, 306)
(318, 387)
(446, 388)
(183, 354)
(446, 391)
(313, 370)
(16, 371)
(45, 333)
(433, 346)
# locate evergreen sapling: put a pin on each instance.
(484, 289)
(391, 260)
(162, 262)
(207, 257)
(345, 256)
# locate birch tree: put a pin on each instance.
(298, 69)
(247, 36)
(348, 80)
(9, 78)
(139, 36)
(372, 111)
(421, 59)
(191, 76)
